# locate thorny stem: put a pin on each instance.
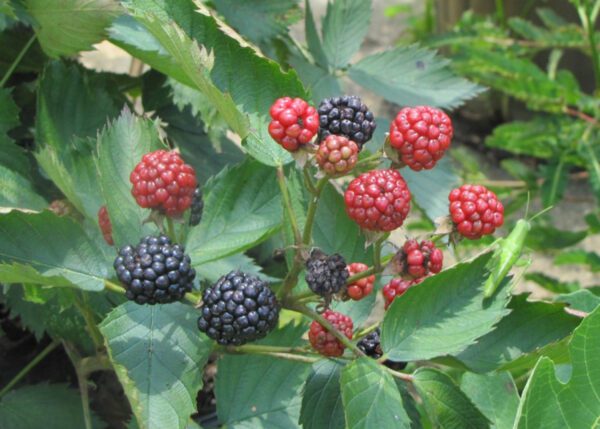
(325, 323)
(82, 381)
(287, 203)
(34, 362)
(312, 210)
(579, 114)
(16, 61)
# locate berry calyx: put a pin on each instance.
(378, 200)
(337, 155)
(475, 211)
(325, 342)
(421, 135)
(155, 271)
(420, 259)
(346, 116)
(397, 287)
(294, 122)
(326, 275)
(197, 207)
(363, 287)
(162, 181)
(105, 225)
(371, 344)
(237, 309)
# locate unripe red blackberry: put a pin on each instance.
(378, 200)
(323, 341)
(420, 259)
(105, 225)
(337, 155)
(162, 181)
(363, 287)
(294, 122)
(475, 211)
(421, 135)
(397, 287)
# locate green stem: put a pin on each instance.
(366, 331)
(325, 323)
(171, 230)
(192, 298)
(16, 61)
(114, 287)
(312, 210)
(308, 181)
(82, 381)
(500, 14)
(34, 362)
(377, 252)
(257, 348)
(287, 204)
(90, 321)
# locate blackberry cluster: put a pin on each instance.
(237, 309)
(155, 271)
(347, 116)
(326, 275)
(371, 345)
(197, 207)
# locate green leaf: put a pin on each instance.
(344, 28)
(56, 406)
(551, 284)
(528, 327)
(558, 352)
(312, 37)
(412, 76)
(260, 20)
(9, 114)
(371, 398)
(322, 399)
(54, 246)
(213, 270)
(543, 238)
(66, 27)
(242, 208)
(73, 104)
(447, 406)
(495, 395)
(17, 192)
(121, 146)
(450, 316)
(256, 391)
(579, 257)
(262, 147)
(430, 188)
(550, 403)
(158, 355)
(317, 80)
(556, 176)
(591, 155)
(582, 300)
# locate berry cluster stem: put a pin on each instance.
(191, 297)
(171, 230)
(17, 60)
(287, 203)
(312, 210)
(303, 309)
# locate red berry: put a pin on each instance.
(162, 181)
(378, 200)
(475, 211)
(337, 155)
(363, 287)
(421, 135)
(294, 122)
(397, 287)
(323, 341)
(420, 260)
(105, 225)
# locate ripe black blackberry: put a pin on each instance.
(326, 275)
(347, 116)
(197, 207)
(155, 271)
(237, 309)
(371, 345)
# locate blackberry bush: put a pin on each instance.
(263, 297)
